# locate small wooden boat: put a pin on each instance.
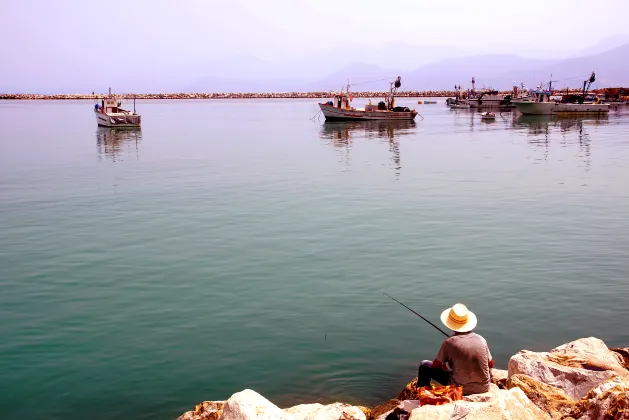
(339, 107)
(487, 116)
(110, 114)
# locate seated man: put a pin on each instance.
(465, 353)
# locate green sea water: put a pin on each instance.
(239, 244)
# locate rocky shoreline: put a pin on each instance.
(583, 379)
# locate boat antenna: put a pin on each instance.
(442, 331)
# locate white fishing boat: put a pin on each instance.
(110, 114)
(339, 108)
(540, 103)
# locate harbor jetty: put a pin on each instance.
(265, 95)
(219, 95)
(580, 380)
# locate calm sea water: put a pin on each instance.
(238, 244)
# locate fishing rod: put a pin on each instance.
(442, 331)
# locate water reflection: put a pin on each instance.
(112, 143)
(540, 128)
(542, 124)
(341, 134)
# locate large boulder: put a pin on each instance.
(589, 353)
(549, 399)
(576, 367)
(610, 400)
(249, 405)
(494, 405)
(336, 411)
(207, 410)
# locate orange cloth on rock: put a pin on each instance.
(439, 395)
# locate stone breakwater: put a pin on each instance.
(250, 95)
(580, 380)
(227, 95)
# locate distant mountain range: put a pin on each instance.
(497, 71)
(422, 67)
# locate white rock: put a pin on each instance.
(432, 412)
(249, 405)
(576, 367)
(303, 411)
(493, 405)
(336, 411)
(595, 354)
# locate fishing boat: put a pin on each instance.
(540, 102)
(486, 98)
(110, 114)
(339, 108)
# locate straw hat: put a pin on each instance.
(458, 318)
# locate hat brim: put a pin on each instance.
(468, 326)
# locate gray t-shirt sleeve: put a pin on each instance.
(442, 354)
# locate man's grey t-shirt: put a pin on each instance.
(468, 356)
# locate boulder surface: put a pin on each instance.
(336, 411)
(610, 400)
(575, 367)
(249, 405)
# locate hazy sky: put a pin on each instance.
(71, 37)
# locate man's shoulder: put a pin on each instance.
(469, 337)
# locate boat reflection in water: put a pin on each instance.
(540, 124)
(117, 143)
(540, 130)
(341, 134)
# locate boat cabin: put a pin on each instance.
(110, 106)
(340, 101)
(539, 95)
